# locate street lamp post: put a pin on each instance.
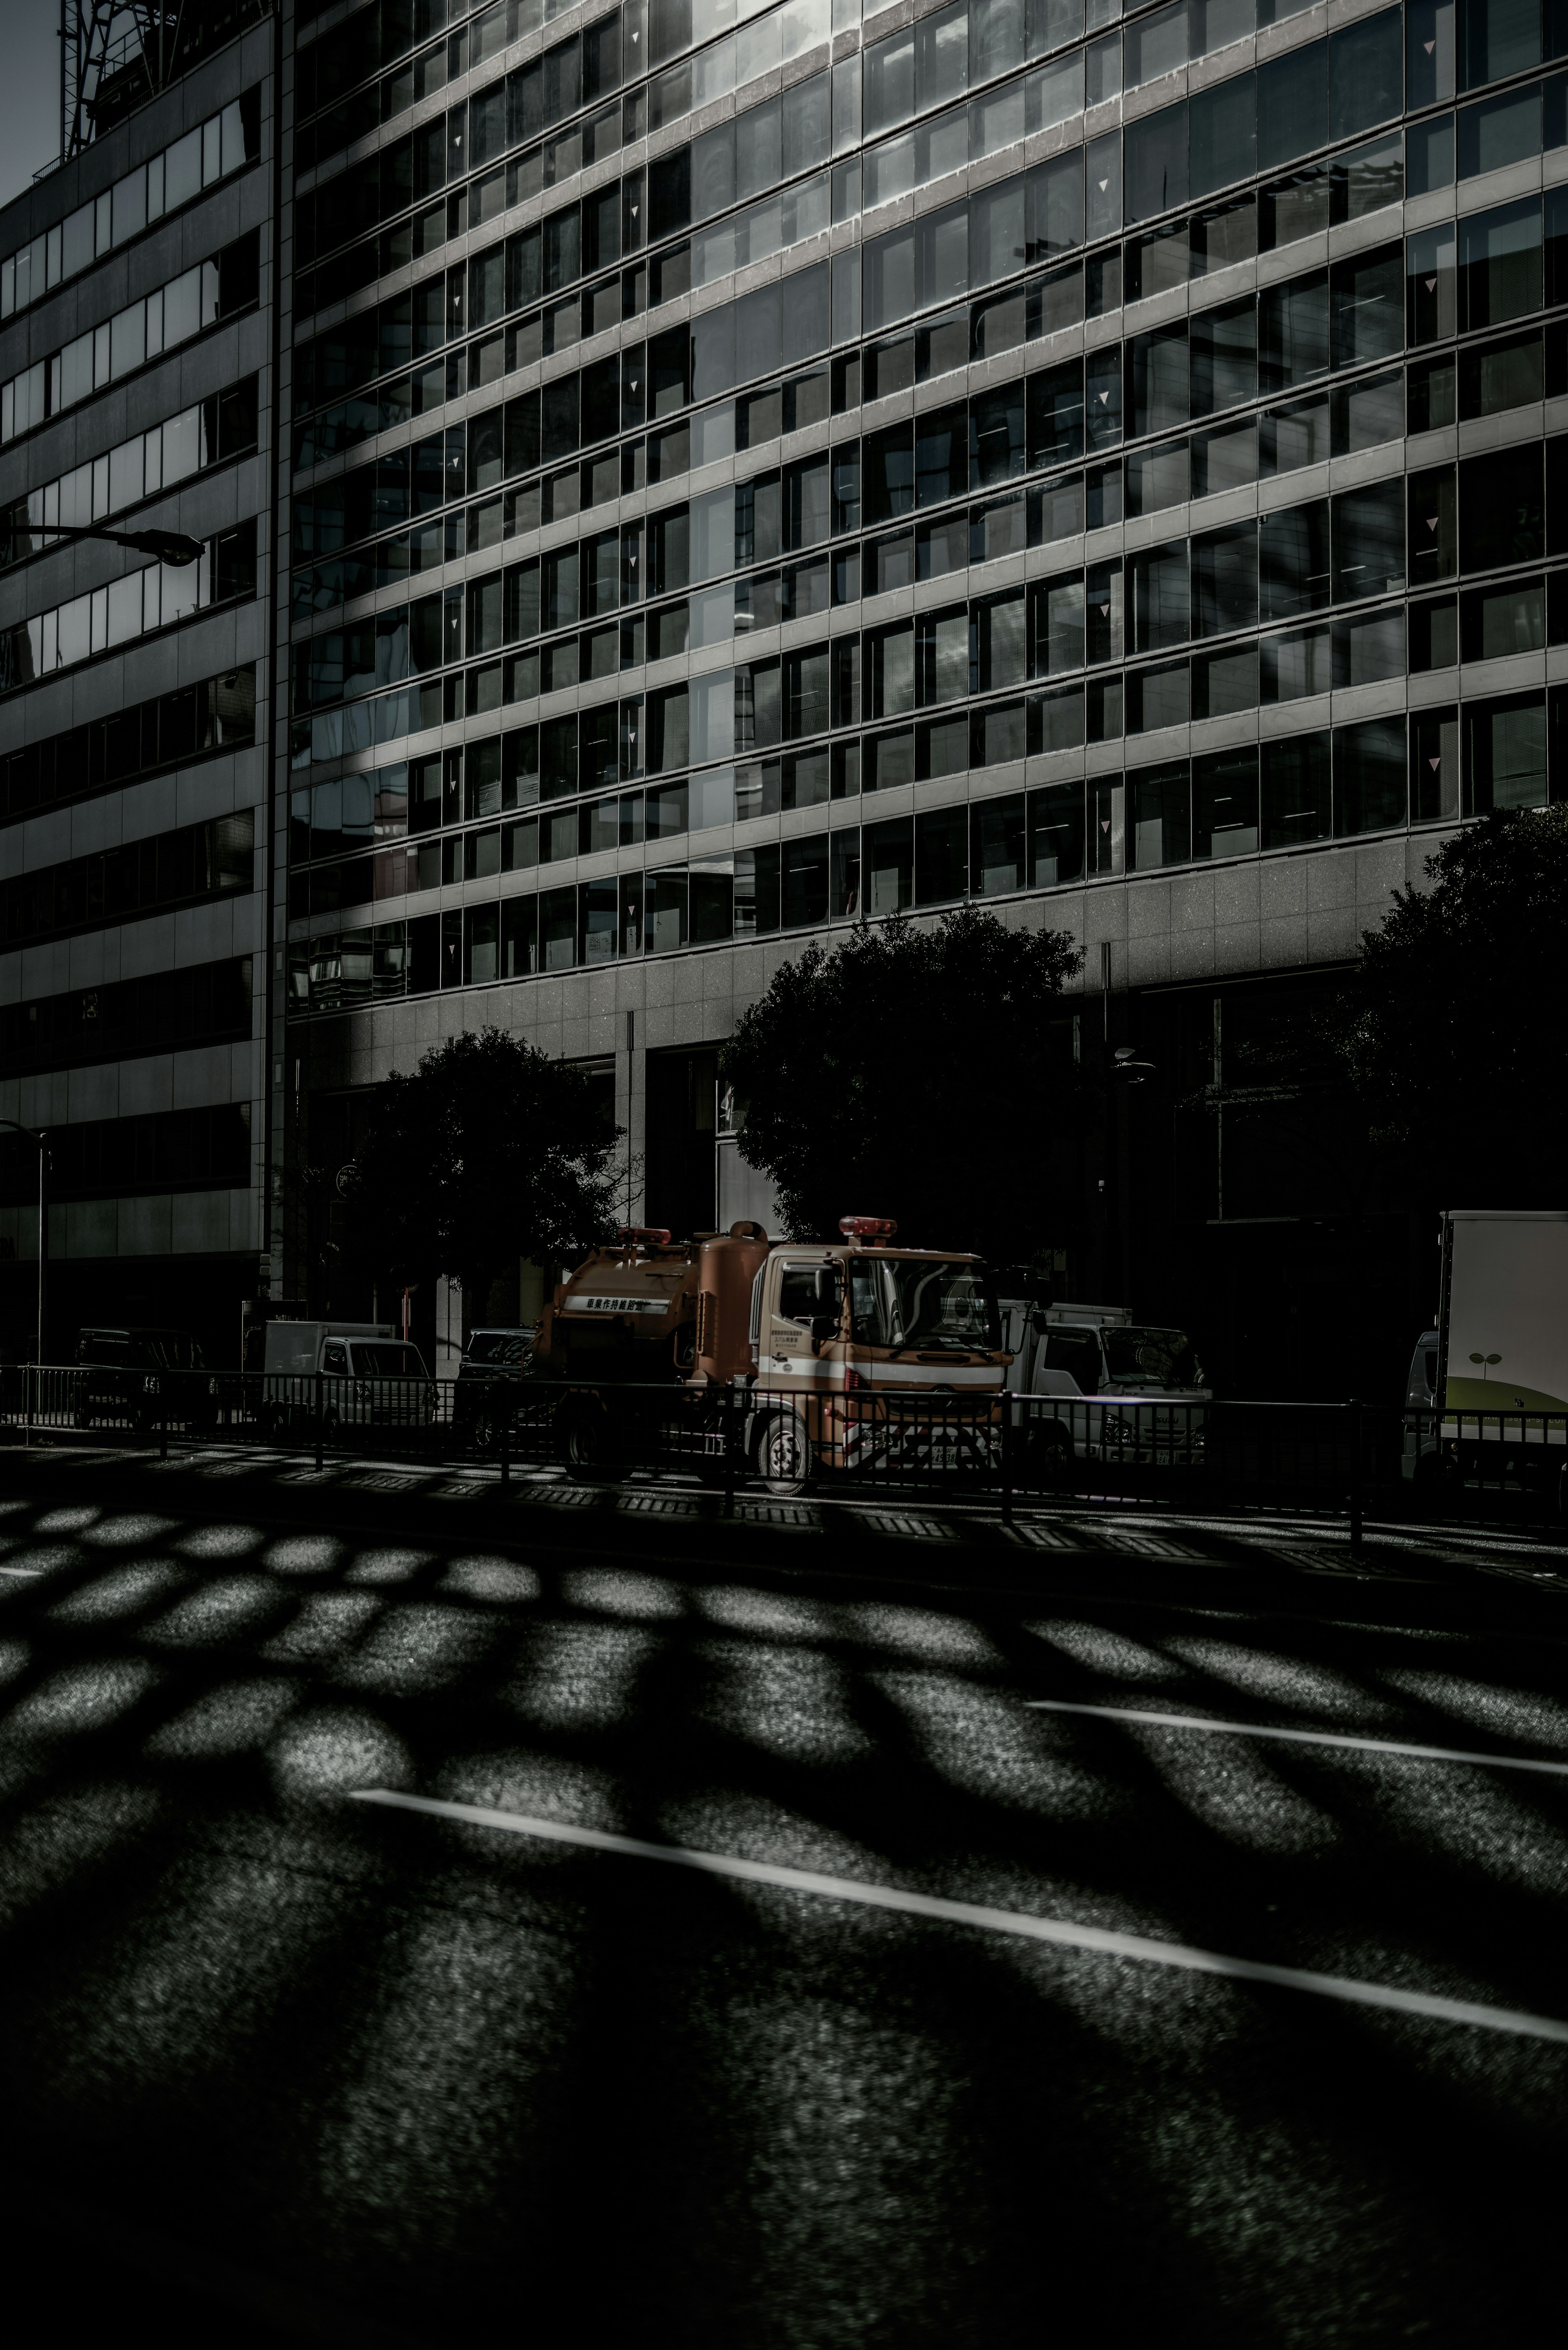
(172, 547)
(43, 1224)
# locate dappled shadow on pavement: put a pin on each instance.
(452, 2080)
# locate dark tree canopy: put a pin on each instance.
(1453, 1025)
(490, 1151)
(912, 1071)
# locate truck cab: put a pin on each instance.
(862, 1353)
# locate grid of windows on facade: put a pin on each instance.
(1505, 751)
(1242, 595)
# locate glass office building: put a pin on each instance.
(137, 366)
(753, 470)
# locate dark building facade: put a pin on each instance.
(136, 390)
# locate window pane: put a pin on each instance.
(1501, 515)
(1156, 162)
(1498, 130)
(1368, 536)
(1365, 74)
(1500, 264)
(1223, 134)
(1225, 580)
(1158, 595)
(1296, 790)
(1293, 105)
(1294, 560)
(1505, 753)
(1496, 37)
(1369, 776)
(1159, 817)
(1225, 804)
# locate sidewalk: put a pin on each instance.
(546, 1507)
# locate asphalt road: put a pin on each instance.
(958, 2003)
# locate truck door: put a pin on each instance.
(789, 1303)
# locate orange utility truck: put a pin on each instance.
(837, 1356)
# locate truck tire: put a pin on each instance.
(784, 1454)
(587, 1440)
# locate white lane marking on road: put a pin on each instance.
(1058, 1930)
(1299, 1737)
(23, 1574)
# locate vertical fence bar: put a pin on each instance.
(28, 1398)
(320, 1417)
(1355, 1410)
(1006, 1459)
(506, 1447)
(727, 1438)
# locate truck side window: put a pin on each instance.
(1078, 1353)
(1429, 1361)
(797, 1292)
(334, 1358)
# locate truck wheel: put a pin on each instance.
(783, 1455)
(588, 1441)
(1054, 1455)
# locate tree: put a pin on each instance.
(1452, 1028)
(490, 1151)
(913, 1071)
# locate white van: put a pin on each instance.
(371, 1378)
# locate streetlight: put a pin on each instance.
(43, 1227)
(172, 546)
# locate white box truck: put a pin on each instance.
(1488, 1390)
(371, 1378)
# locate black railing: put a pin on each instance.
(1344, 1460)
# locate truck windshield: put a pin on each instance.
(903, 1301)
(1151, 1358)
(385, 1360)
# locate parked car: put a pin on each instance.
(142, 1378)
(489, 1378)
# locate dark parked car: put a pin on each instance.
(490, 1377)
(140, 1378)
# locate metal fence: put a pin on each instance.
(1325, 1459)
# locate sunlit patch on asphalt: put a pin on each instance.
(389, 1566)
(918, 1632)
(1232, 1791)
(1106, 1652)
(546, 1786)
(121, 1592)
(764, 1612)
(614, 1592)
(325, 1754)
(1508, 1714)
(220, 1542)
(324, 1623)
(304, 1554)
(725, 1820)
(50, 1558)
(784, 1700)
(977, 1739)
(579, 1676)
(416, 1648)
(138, 1526)
(218, 1611)
(14, 1658)
(66, 1522)
(81, 1698)
(1286, 1680)
(490, 1578)
(233, 1719)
